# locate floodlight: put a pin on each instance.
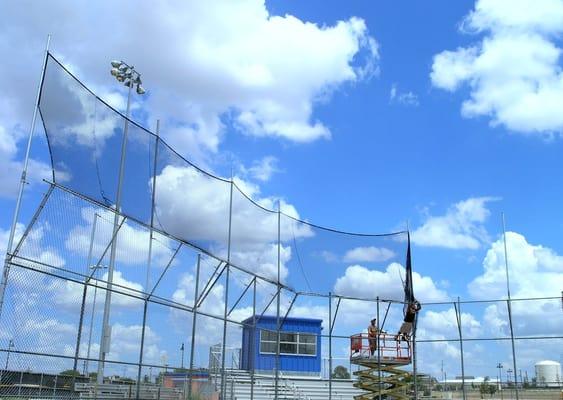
(128, 83)
(115, 71)
(140, 89)
(116, 64)
(120, 78)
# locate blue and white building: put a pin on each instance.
(300, 346)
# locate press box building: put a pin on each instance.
(300, 346)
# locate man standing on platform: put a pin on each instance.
(372, 336)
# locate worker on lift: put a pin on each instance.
(372, 336)
(406, 327)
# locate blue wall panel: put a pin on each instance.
(306, 364)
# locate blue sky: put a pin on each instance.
(358, 116)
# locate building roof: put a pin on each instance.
(288, 319)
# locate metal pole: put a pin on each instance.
(23, 181)
(509, 307)
(153, 197)
(378, 351)
(192, 348)
(253, 340)
(149, 260)
(107, 304)
(414, 359)
(330, 345)
(223, 382)
(83, 305)
(278, 303)
(89, 264)
(458, 317)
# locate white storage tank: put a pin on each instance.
(548, 373)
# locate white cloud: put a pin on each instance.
(535, 271)
(460, 228)
(361, 282)
(514, 72)
(224, 58)
(263, 169)
(405, 98)
(33, 248)
(441, 325)
(11, 167)
(254, 231)
(368, 254)
(132, 243)
(69, 294)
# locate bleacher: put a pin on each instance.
(116, 391)
(289, 388)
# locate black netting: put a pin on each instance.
(207, 247)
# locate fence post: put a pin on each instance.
(278, 301)
(252, 359)
(458, 318)
(192, 349)
(223, 350)
(330, 345)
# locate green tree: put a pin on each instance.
(70, 372)
(340, 372)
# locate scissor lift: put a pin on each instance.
(380, 375)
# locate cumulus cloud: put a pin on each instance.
(514, 71)
(361, 282)
(11, 167)
(69, 294)
(441, 325)
(535, 271)
(264, 71)
(254, 231)
(460, 228)
(132, 243)
(368, 254)
(263, 169)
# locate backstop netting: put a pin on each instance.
(196, 256)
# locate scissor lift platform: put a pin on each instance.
(380, 376)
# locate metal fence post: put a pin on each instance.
(192, 348)
(330, 345)
(278, 301)
(253, 341)
(458, 318)
(223, 350)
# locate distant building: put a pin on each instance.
(469, 381)
(300, 346)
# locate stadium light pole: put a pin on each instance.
(127, 75)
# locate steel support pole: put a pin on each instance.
(88, 266)
(149, 262)
(414, 359)
(277, 370)
(329, 345)
(83, 304)
(378, 342)
(107, 304)
(23, 181)
(194, 319)
(153, 199)
(458, 318)
(253, 341)
(223, 351)
(508, 302)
